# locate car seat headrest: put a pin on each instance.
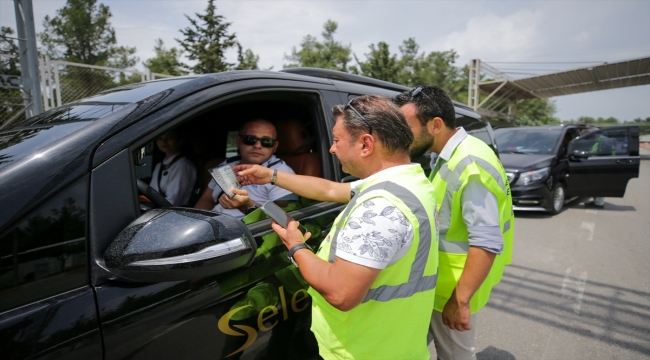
(292, 135)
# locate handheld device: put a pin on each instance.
(276, 213)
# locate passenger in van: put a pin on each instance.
(256, 142)
(175, 176)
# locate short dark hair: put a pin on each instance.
(257, 120)
(433, 102)
(388, 123)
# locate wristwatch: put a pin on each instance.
(296, 248)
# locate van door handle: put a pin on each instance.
(626, 161)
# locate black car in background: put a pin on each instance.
(548, 166)
(91, 269)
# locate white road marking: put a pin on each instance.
(573, 288)
(587, 230)
(591, 211)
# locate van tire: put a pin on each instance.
(556, 200)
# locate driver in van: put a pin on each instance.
(256, 142)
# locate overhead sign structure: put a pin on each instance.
(503, 92)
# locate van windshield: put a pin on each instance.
(527, 140)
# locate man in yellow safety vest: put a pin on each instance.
(373, 279)
(476, 221)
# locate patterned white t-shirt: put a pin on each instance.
(376, 235)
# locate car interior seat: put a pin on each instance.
(295, 148)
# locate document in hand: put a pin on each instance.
(226, 179)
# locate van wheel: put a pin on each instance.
(556, 202)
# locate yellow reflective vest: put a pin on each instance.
(393, 319)
(472, 157)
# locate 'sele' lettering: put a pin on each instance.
(223, 326)
(263, 316)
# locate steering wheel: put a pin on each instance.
(153, 195)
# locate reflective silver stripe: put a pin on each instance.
(386, 293)
(417, 281)
(452, 177)
(453, 247)
(506, 226)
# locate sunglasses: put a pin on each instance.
(418, 91)
(349, 105)
(266, 142)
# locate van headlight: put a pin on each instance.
(532, 177)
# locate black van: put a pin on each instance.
(548, 166)
(80, 278)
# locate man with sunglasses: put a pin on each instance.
(373, 279)
(476, 221)
(256, 142)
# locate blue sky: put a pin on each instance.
(493, 31)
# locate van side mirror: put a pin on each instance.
(579, 149)
(577, 154)
(179, 244)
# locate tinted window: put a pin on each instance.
(136, 92)
(66, 114)
(527, 140)
(481, 134)
(22, 142)
(603, 143)
(45, 253)
(470, 123)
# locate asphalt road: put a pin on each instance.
(579, 284)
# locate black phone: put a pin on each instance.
(280, 216)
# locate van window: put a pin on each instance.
(210, 138)
(45, 253)
(604, 143)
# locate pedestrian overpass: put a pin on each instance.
(501, 93)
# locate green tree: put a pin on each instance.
(586, 120)
(247, 60)
(329, 54)
(436, 68)
(380, 64)
(415, 68)
(166, 60)
(207, 40)
(81, 32)
(8, 66)
(609, 120)
(409, 61)
(536, 112)
(12, 103)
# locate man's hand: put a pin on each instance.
(240, 201)
(248, 174)
(456, 314)
(290, 236)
